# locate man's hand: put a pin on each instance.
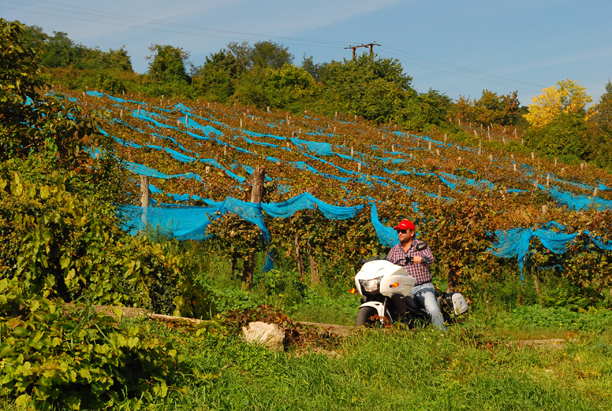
(418, 259)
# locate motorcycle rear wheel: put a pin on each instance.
(367, 316)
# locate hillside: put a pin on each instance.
(200, 154)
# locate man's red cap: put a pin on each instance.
(405, 225)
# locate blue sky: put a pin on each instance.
(455, 47)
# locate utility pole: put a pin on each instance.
(354, 48)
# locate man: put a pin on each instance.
(422, 257)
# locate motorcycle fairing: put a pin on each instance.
(379, 307)
(394, 279)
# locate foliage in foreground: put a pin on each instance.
(60, 244)
(71, 358)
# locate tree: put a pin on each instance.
(223, 60)
(35, 37)
(602, 111)
(512, 113)
(35, 124)
(216, 78)
(368, 86)
(111, 60)
(261, 54)
(269, 54)
(490, 109)
(568, 97)
(277, 88)
(464, 109)
(425, 109)
(565, 135)
(317, 71)
(242, 53)
(600, 129)
(59, 51)
(29, 121)
(168, 64)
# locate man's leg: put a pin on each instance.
(426, 296)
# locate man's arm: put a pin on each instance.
(424, 256)
(395, 256)
(427, 257)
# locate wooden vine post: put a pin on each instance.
(257, 187)
(144, 191)
(314, 267)
(298, 255)
(257, 184)
(144, 197)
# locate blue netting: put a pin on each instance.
(184, 222)
(577, 202)
(307, 201)
(146, 171)
(322, 149)
(599, 242)
(191, 222)
(386, 235)
(515, 242)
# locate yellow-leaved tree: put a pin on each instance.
(567, 97)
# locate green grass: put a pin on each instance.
(471, 367)
(466, 368)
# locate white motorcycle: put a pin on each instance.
(386, 291)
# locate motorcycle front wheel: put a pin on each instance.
(367, 316)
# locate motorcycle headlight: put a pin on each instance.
(370, 286)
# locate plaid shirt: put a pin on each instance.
(397, 256)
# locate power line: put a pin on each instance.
(354, 48)
(453, 66)
(428, 62)
(104, 14)
(461, 74)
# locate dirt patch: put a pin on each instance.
(319, 338)
(551, 344)
(331, 329)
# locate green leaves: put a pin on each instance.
(77, 359)
(70, 246)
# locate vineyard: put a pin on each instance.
(335, 187)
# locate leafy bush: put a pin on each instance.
(73, 358)
(70, 245)
(63, 245)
